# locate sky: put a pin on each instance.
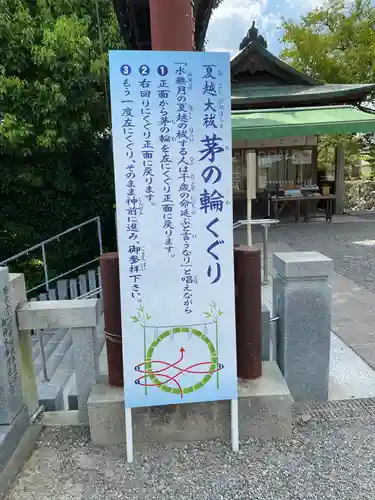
(233, 18)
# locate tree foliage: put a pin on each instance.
(327, 151)
(335, 43)
(55, 155)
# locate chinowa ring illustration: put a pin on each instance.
(181, 359)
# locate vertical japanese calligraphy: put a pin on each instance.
(165, 139)
(171, 125)
(183, 85)
(211, 199)
(136, 257)
(148, 148)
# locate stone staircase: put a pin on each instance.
(59, 392)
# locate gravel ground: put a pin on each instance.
(355, 262)
(322, 460)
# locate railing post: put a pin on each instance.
(100, 241)
(45, 268)
(43, 355)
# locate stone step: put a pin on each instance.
(51, 394)
(51, 344)
(56, 357)
(49, 337)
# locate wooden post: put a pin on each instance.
(251, 165)
(247, 277)
(109, 270)
(172, 24)
(340, 179)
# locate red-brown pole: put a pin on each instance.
(247, 277)
(172, 24)
(109, 270)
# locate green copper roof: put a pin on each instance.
(274, 123)
(248, 95)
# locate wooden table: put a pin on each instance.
(294, 203)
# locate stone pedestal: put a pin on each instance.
(264, 410)
(86, 364)
(11, 399)
(17, 291)
(302, 300)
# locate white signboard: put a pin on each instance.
(302, 157)
(171, 120)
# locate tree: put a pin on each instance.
(327, 151)
(55, 160)
(334, 43)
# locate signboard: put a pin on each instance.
(302, 157)
(171, 121)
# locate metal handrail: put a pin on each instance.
(265, 224)
(42, 245)
(256, 222)
(64, 274)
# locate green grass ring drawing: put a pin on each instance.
(172, 390)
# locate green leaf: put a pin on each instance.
(55, 133)
(135, 319)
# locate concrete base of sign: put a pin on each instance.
(265, 411)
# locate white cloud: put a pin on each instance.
(307, 4)
(232, 19)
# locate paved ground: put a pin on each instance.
(351, 245)
(322, 460)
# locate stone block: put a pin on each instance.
(17, 292)
(83, 313)
(304, 330)
(62, 289)
(265, 410)
(15, 462)
(302, 265)
(11, 399)
(86, 366)
(4, 277)
(11, 434)
(51, 396)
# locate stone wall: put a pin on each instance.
(359, 195)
